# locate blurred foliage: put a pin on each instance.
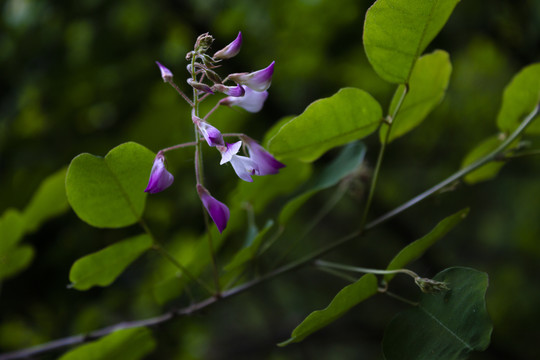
(80, 77)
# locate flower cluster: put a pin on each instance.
(247, 91)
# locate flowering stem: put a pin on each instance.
(179, 146)
(376, 172)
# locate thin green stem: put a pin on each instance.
(380, 157)
(363, 270)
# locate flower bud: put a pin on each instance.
(199, 86)
(234, 91)
(166, 74)
(211, 134)
(160, 178)
(230, 50)
(218, 211)
(203, 42)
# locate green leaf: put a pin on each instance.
(103, 267)
(128, 344)
(345, 299)
(418, 247)
(349, 160)
(249, 252)
(519, 99)
(396, 32)
(12, 228)
(489, 170)
(427, 86)
(48, 201)
(14, 260)
(447, 325)
(348, 115)
(109, 192)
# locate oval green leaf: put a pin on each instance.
(12, 229)
(427, 86)
(103, 267)
(489, 170)
(519, 99)
(109, 192)
(128, 344)
(447, 326)
(14, 260)
(351, 295)
(349, 160)
(396, 32)
(418, 247)
(348, 115)
(48, 201)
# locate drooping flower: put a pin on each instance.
(259, 80)
(166, 74)
(230, 50)
(160, 178)
(211, 134)
(252, 100)
(266, 163)
(218, 211)
(243, 166)
(232, 91)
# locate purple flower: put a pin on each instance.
(218, 211)
(230, 50)
(166, 74)
(252, 100)
(160, 178)
(199, 86)
(233, 91)
(243, 166)
(212, 135)
(266, 163)
(258, 80)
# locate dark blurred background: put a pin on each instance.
(80, 77)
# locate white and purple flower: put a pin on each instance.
(252, 100)
(259, 80)
(266, 163)
(243, 166)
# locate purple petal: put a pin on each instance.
(211, 134)
(160, 178)
(199, 86)
(230, 50)
(244, 167)
(234, 91)
(166, 74)
(252, 100)
(227, 152)
(266, 163)
(259, 80)
(218, 211)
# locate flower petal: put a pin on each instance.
(266, 163)
(233, 91)
(252, 100)
(230, 50)
(218, 211)
(259, 80)
(211, 134)
(228, 151)
(160, 178)
(244, 167)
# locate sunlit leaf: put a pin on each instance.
(418, 247)
(48, 201)
(346, 298)
(349, 160)
(109, 192)
(128, 344)
(427, 86)
(12, 229)
(447, 325)
(103, 267)
(348, 115)
(519, 99)
(249, 252)
(15, 259)
(489, 170)
(396, 32)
